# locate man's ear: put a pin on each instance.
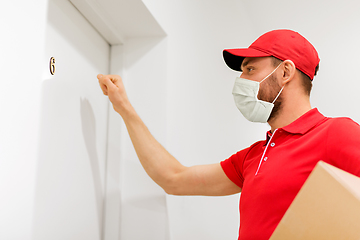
(289, 71)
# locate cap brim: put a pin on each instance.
(234, 57)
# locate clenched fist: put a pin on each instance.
(113, 87)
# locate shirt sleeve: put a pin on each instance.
(233, 167)
(343, 145)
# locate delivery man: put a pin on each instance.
(274, 87)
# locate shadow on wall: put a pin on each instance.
(89, 133)
(69, 193)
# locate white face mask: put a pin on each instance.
(245, 95)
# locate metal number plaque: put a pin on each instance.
(52, 65)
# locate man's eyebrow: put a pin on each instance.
(244, 64)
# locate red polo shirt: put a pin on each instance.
(271, 172)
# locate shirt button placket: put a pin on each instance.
(263, 158)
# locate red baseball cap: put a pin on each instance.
(282, 44)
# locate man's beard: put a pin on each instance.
(268, 93)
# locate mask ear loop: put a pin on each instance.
(268, 76)
(278, 94)
(270, 73)
(280, 90)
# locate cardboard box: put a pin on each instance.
(326, 207)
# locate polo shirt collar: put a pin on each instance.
(303, 124)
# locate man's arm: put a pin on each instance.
(160, 165)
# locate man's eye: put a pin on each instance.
(250, 69)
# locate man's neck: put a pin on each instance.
(289, 114)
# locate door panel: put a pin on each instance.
(71, 169)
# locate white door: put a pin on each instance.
(71, 169)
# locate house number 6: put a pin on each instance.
(52, 65)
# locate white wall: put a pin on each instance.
(143, 69)
(70, 174)
(22, 39)
(194, 114)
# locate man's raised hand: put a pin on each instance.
(113, 87)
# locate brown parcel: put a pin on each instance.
(326, 207)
